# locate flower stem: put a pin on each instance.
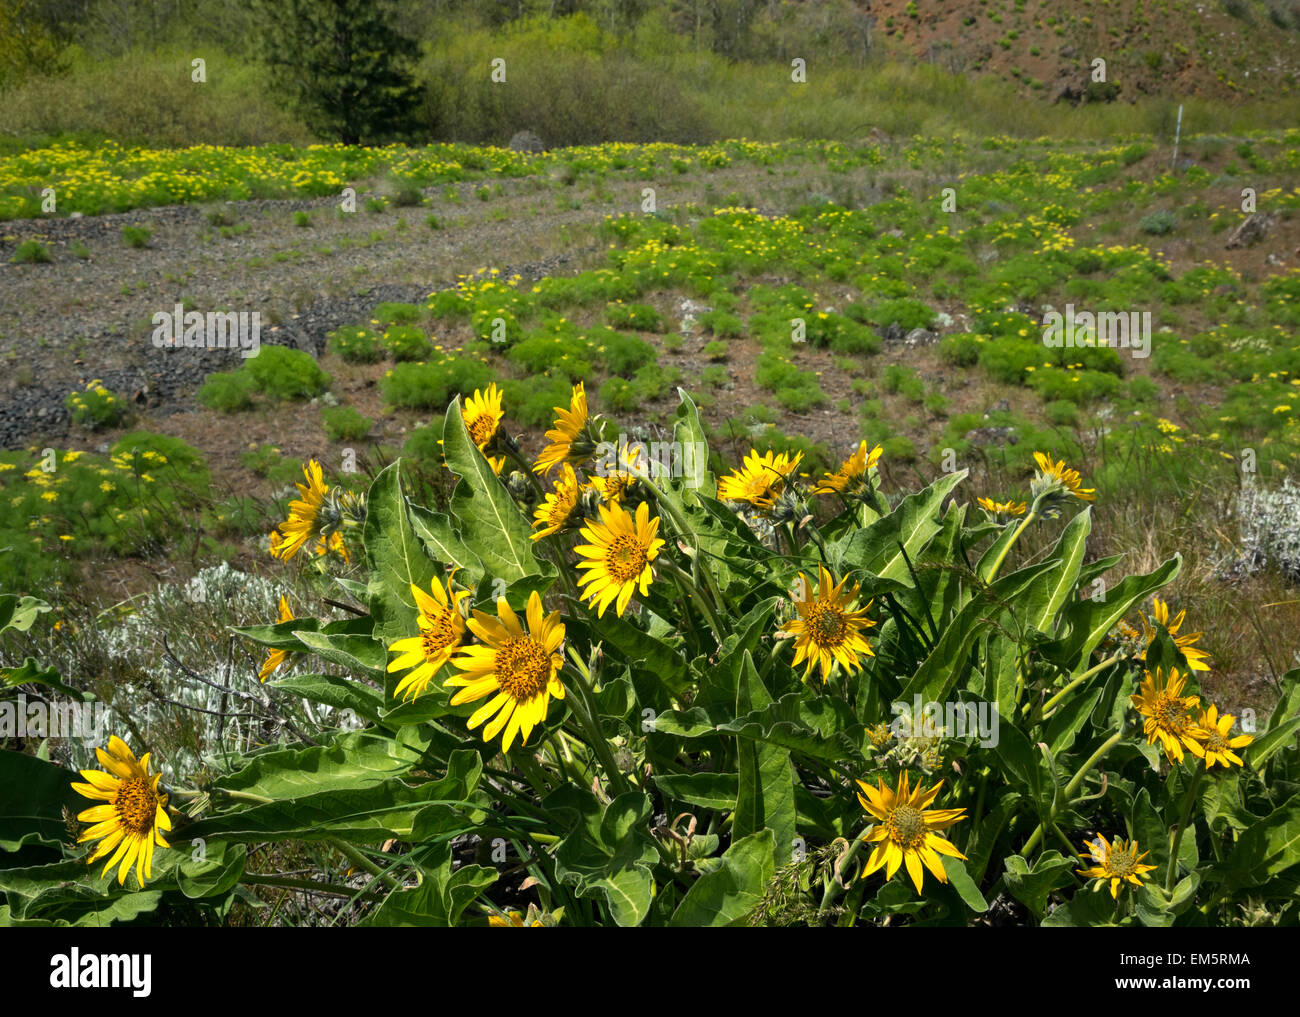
(1051, 703)
(997, 562)
(1072, 787)
(1182, 826)
(589, 718)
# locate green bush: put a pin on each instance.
(392, 313)
(95, 406)
(960, 349)
(31, 252)
(533, 402)
(407, 342)
(343, 423)
(722, 324)
(136, 236)
(905, 312)
(283, 374)
(228, 391)
(626, 353)
(357, 344)
(619, 395)
(432, 385)
(1158, 223)
(639, 317)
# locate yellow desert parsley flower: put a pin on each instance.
(906, 830)
(1118, 862)
(304, 515)
(852, 474)
(521, 666)
(442, 630)
(1215, 735)
(1056, 474)
(828, 629)
(276, 657)
(128, 825)
(1002, 508)
(555, 514)
(569, 441)
(760, 480)
(619, 556)
(1166, 709)
(1195, 656)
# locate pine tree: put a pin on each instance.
(343, 67)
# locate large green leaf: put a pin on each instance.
(440, 899)
(33, 795)
(332, 690)
(395, 558)
(489, 522)
(18, 613)
(1031, 884)
(688, 431)
(354, 759)
(766, 790)
(879, 548)
(444, 544)
(707, 790)
(1090, 620)
(729, 894)
(355, 652)
(607, 852)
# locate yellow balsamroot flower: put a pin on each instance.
(568, 442)
(1166, 709)
(334, 542)
(515, 920)
(617, 484)
(852, 474)
(442, 630)
(760, 480)
(556, 512)
(1118, 862)
(619, 556)
(906, 830)
(304, 515)
(482, 414)
(828, 629)
(1067, 479)
(521, 666)
(1195, 656)
(1215, 735)
(1002, 508)
(276, 657)
(128, 825)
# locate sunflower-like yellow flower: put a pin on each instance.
(128, 825)
(906, 830)
(1214, 732)
(570, 442)
(760, 480)
(619, 556)
(483, 414)
(556, 513)
(1002, 508)
(442, 630)
(1056, 474)
(276, 657)
(614, 478)
(828, 629)
(515, 920)
(1118, 862)
(521, 666)
(1197, 659)
(1165, 708)
(304, 515)
(333, 543)
(852, 474)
